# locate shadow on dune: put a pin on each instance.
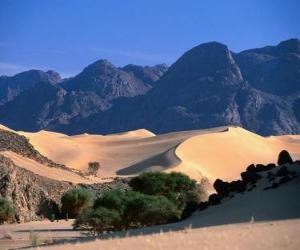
(157, 162)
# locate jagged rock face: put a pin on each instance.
(274, 69)
(10, 141)
(35, 197)
(10, 87)
(29, 193)
(147, 74)
(107, 81)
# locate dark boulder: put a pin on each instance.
(214, 199)
(284, 157)
(222, 187)
(262, 168)
(283, 171)
(250, 176)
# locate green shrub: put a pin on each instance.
(99, 220)
(177, 187)
(119, 209)
(74, 201)
(147, 210)
(7, 211)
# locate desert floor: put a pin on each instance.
(282, 234)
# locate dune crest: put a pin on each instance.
(221, 152)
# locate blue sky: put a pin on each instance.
(67, 35)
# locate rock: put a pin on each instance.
(284, 179)
(283, 171)
(251, 168)
(284, 158)
(214, 199)
(250, 176)
(262, 168)
(221, 187)
(36, 197)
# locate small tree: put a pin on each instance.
(148, 210)
(75, 200)
(7, 211)
(177, 187)
(93, 168)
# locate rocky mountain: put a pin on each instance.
(49, 106)
(110, 82)
(208, 86)
(273, 69)
(10, 87)
(211, 86)
(147, 74)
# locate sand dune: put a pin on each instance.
(251, 220)
(215, 153)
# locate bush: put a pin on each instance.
(99, 220)
(177, 187)
(147, 210)
(93, 168)
(75, 200)
(119, 209)
(7, 212)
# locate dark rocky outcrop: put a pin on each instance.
(10, 141)
(284, 157)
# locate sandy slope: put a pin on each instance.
(216, 153)
(42, 170)
(211, 152)
(252, 220)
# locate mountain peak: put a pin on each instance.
(100, 66)
(206, 60)
(290, 46)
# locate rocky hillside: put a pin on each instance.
(10, 87)
(35, 197)
(208, 86)
(48, 106)
(10, 141)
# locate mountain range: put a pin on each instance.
(208, 86)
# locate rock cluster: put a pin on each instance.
(249, 178)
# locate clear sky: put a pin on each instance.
(67, 35)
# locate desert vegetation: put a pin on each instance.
(155, 198)
(74, 201)
(93, 168)
(7, 211)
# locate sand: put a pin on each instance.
(45, 171)
(252, 220)
(222, 152)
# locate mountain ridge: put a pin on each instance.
(208, 86)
